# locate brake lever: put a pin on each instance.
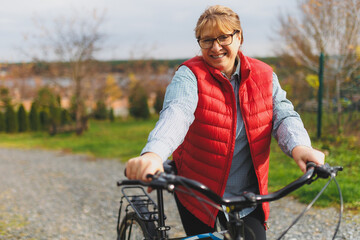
(325, 171)
(335, 170)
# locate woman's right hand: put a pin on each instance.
(148, 163)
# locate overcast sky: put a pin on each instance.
(160, 29)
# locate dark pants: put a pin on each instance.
(254, 223)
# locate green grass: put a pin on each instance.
(283, 170)
(120, 140)
(123, 140)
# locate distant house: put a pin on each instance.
(120, 107)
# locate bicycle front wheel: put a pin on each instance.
(132, 228)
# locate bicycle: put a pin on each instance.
(146, 220)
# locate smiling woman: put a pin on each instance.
(223, 25)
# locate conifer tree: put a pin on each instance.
(111, 115)
(100, 111)
(22, 119)
(2, 122)
(138, 106)
(11, 119)
(34, 120)
(44, 119)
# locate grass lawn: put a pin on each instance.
(120, 140)
(123, 140)
(283, 170)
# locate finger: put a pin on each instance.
(127, 170)
(132, 168)
(302, 166)
(143, 170)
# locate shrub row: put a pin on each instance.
(40, 119)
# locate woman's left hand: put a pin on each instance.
(304, 154)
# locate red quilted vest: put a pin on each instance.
(207, 150)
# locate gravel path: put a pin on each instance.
(53, 195)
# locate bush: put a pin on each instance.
(65, 117)
(46, 98)
(55, 115)
(100, 111)
(22, 119)
(11, 119)
(138, 106)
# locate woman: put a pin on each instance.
(219, 113)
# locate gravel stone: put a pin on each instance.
(60, 196)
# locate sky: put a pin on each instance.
(159, 29)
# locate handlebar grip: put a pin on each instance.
(310, 165)
(324, 171)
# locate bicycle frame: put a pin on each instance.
(235, 204)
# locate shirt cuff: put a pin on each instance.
(291, 134)
(158, 147)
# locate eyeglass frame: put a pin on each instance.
(217, 39)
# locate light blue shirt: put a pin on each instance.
(179, 106)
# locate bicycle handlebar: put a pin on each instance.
(170, 182)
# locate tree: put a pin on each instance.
(111, 115)
(100, 111)
(112, 90)
(34, 120)
(2, 122)
(65, 117)
(49, 107)
(22, 119)
(328, 26)
(160, 94)
(5, 97)
(72, 43)
(55, 118)
(138, 106)
(44, 119)
(11, 119)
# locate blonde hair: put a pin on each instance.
(218, 18)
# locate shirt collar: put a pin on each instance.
(237, 69)
(236, 74)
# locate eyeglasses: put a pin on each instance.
(223, 40)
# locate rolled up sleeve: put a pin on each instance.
(288, 128)
(177, 115)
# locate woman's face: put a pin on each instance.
(221, 57)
